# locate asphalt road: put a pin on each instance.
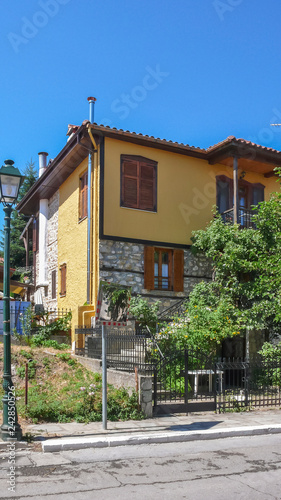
(225, 469)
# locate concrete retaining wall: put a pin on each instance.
(124, 379)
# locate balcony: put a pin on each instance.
(245, 217)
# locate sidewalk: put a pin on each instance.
(169, 428)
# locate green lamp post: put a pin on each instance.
(10, 182)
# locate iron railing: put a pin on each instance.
(176, 309)
(125, 349)
(249, 384)
(245, 217)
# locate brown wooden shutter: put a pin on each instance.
(63, 280)
(149, 268)
(147, 187)
(178, 270)
(130, 184)
(35, 235)
(83, 196)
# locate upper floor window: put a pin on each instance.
(63, 280)
(138, 183)
(163, 269)
(249, 194)
(83, 195)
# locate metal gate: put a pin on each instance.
(190, 380)
(185, 381)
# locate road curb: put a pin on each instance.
(78, 443)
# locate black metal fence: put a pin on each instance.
(248, 384)
(125, 349)
(188, 379)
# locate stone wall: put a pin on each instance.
(145, 395)
(52, 246)
(43, 295)
(123, 263)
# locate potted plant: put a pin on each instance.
(25, 277)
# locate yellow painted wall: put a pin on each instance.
(186, 193)
(72, 245)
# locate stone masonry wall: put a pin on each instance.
(43, 295)
(123, 263)
(52, 246)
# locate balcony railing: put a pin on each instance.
(245, 217)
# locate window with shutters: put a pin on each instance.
(83, 195)
(63, 280)
(163, 269)
(138, 183)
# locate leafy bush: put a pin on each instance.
(206, 322)
(31, 321)
(146, 314)
(270, 372)
(31, 370)
(83, 405)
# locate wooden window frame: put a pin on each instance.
(175, 269)
(83, 195)
(159, 278)
(63, 268)
(140, 162)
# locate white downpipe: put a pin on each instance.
(43, 221)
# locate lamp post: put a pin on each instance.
(10, 182)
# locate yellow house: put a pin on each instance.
(121, 206)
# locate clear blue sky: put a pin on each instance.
(217, 65)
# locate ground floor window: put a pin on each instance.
(163, 269)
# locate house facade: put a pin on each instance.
(121, 207)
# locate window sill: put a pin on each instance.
(83, 218)
(62, 294)
(140, 210)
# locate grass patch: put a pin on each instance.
(60, 389)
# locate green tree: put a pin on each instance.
(247, 266)
(19, 221)
(246, 288)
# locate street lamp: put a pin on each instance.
(10, 182)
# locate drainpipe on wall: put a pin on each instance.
(91, 101)
(43, 220)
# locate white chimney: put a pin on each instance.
(42, 162)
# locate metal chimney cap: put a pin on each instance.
(43, 153)
(91, 99)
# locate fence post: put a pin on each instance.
(155, 387)
(246, 373)
(216, 385)
(104, 379)
(186, 376)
